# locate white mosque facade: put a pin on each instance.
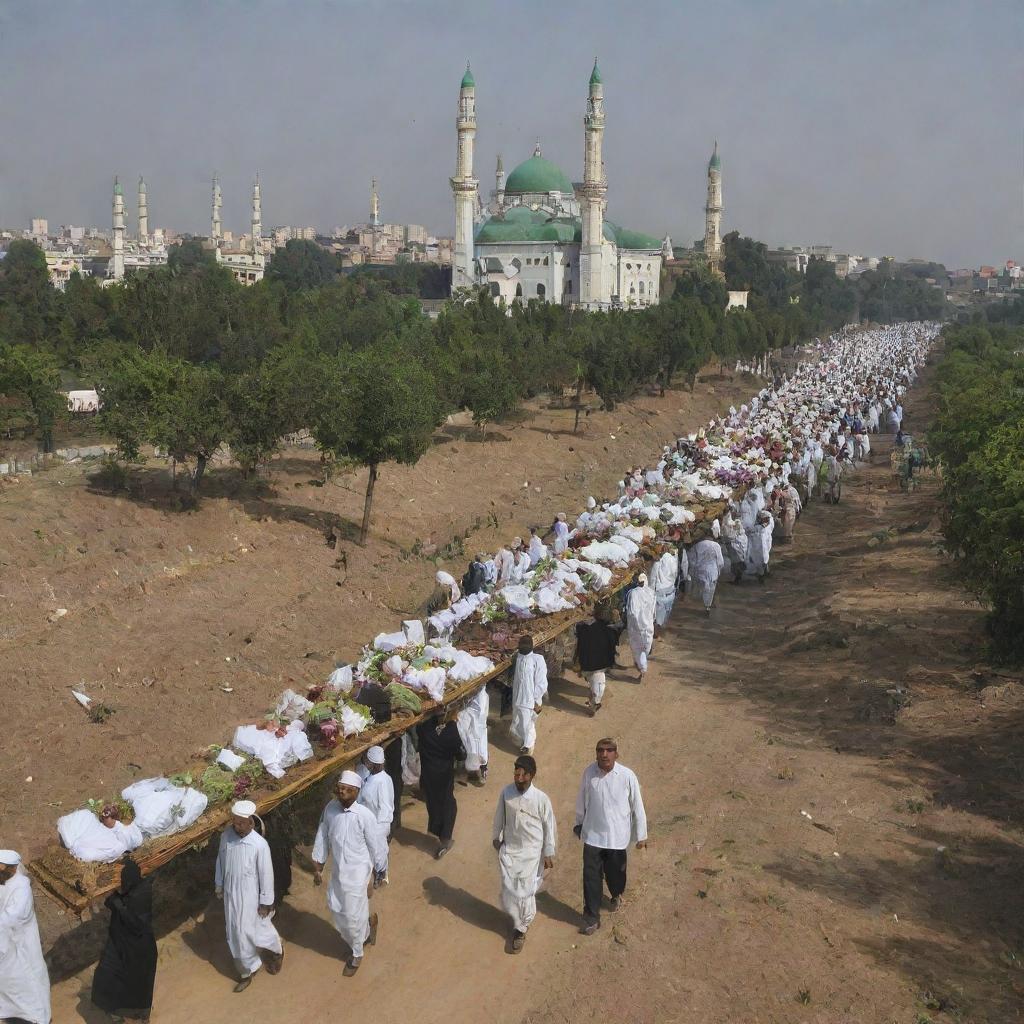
(543, 237)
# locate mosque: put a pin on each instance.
(544, 237)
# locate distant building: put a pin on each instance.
(40, 229)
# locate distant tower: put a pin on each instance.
(117, 259)
(464, 185)
(499, 183)
(374, 204)
(257, 219)
(666, 248)
(713, 213)
(592, 197)
(215, 232)
(143, 214)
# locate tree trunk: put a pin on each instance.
(197, 477)
(365, 528)
(579, 399)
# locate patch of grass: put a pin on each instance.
(804, 997)
(911, 806)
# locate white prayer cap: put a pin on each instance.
(375, 755)
(444, 578)
(10, 858)
(243, 808)
(716, 529)
(561, 515)
(642, 578)
(591, 503)
(350, 779)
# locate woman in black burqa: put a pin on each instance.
(440, 747)
(123, 982)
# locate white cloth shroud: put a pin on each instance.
(87, 838)
(161, 808)
(275, 753)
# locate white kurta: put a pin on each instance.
(246, 875)
(529, 685)
(505, 562)
(707, 565)
(24, 982)
(537, 550)
(349, 838)
(378, 797)
(472, 726)
(640, 607)
(525, 824)
(760, 547)
(663, 577)
(561, 541)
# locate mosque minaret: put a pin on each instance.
(143, 213)
(464, 186)
(257, 219)
(116, 271)
(713, 212)
(215, 229)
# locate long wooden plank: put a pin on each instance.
(77, 885)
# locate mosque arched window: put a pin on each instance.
(541, 291)
(495, 290)
(546, 260)
(519, 291)
(641, 287)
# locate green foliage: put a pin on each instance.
(32, 377)
(302, 264)
(153, 398)
(29, 306)
(979, 437)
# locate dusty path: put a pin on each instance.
(834, 784)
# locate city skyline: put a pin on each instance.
(841, 125)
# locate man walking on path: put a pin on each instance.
(378, 797)
(245, 881)
(350, 835)
(609, 816)
(596, 642)
(529, 685)
(708, 563)
(24, 981)
(640, 607)
(524, 835)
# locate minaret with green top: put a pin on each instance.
(464, 185)
(592, 196)
(116, 271)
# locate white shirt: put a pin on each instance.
(610, 809)
(351, 837)
(505, 563)
(530, 682)
(378, 797)
(708, 562)
(24, 982)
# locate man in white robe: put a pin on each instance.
(529, 685)
(24, 981)
(245, 881)
(640, 608)
(472, 726)
(560, 529)
(707, 564)
(734, 543)
(525, 836)
(505, 562)
(537, 548)
(349, 835)
(761, 545)
(378, 796)
(664, 574)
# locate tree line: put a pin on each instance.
(978, 434)
(188, 360)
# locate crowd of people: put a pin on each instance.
(790, 446)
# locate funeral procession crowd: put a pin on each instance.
(762, 463)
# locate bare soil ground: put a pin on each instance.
(832, 774)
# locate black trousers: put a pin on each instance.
(600, 866)
(393, 766)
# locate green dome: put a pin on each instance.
(538, 175)
(521, 224)
(595, 75)
(624, 238)
(715, 163)
(467, 79)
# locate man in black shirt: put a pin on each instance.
(596, 642)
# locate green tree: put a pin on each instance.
(302, 264)
(32, 376)
(379, 405)
(189, 255)
(29, 305)
(154, 398)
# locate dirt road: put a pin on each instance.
(833, 780)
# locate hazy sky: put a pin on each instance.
(879, 126)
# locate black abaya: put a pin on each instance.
(123, 982)
(438, 754)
